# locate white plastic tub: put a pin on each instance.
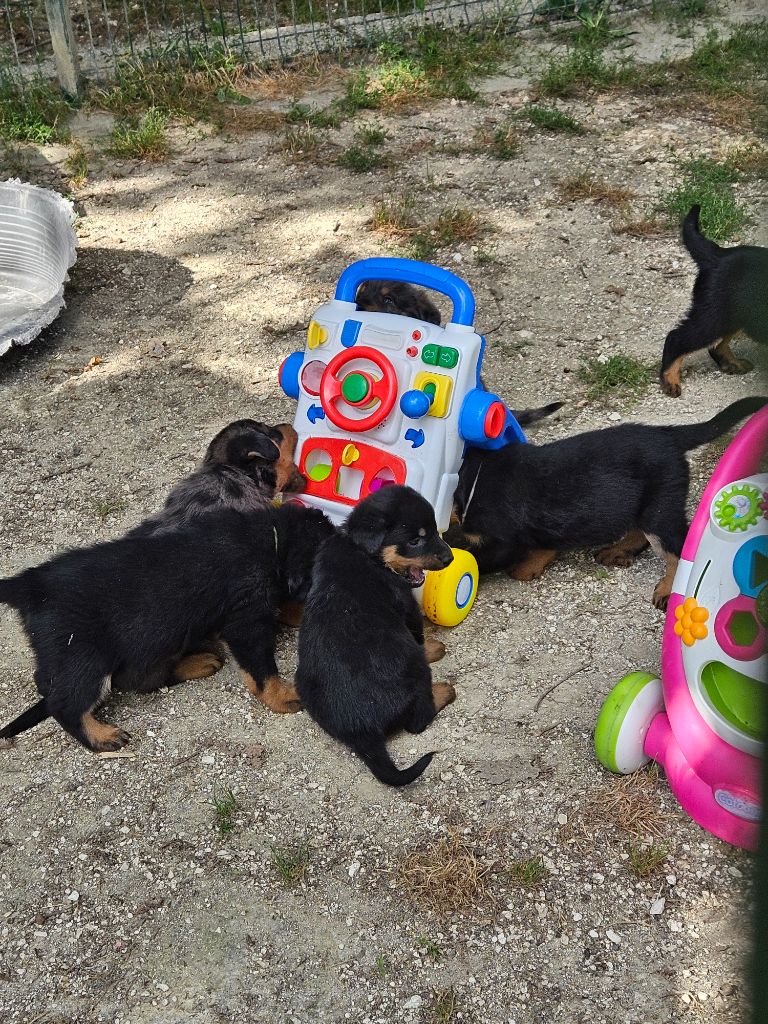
(38, 245)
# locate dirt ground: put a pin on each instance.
(121, 899)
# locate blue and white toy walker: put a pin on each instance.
(384, 399)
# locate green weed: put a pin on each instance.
(709, 183)
(301, 113)
(528, 873)
(371, 135)
(301, 142)
(431, 948)
(505, 142)
(224, 808)
(291, 864)
(76, 165)
(34, 112)
(584, 68)
(110, 507)
(615, 375)
(550, 119)
(445, 1007)
(645, 860)
(360, 159)
(382, 966)
(141, 138)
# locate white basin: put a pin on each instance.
(37, 246)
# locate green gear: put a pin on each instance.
(737, 507)
(761, 607)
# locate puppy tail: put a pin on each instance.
(373, 750)
(704, 252)
(695, 434)
(527, 416)
(32, 716)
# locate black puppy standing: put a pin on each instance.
(363, 670)
(730, 295)
(624, 486)
(127, 609)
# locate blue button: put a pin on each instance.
(350, 332)
(750, 566)
(315, 412)
(416, 437)
(415, 404)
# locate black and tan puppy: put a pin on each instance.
(617, 489)
(730, 294)
(243, 468)
(127, 609)
(404, 299)
(363, 670)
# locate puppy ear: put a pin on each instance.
(262, 447)
(367, 530)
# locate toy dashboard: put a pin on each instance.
(384, 398)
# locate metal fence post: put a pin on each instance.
(64, 48)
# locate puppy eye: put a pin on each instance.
(415, 542)
(389, 302)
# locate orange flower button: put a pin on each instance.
(691, 617)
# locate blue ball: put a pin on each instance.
(414, 404)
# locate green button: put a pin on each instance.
(354, 387)
(448, 358)
(430, 354)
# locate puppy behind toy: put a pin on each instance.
(402, 298)
(363, 670)
(127, 608)
(617, 489)
(730, 294)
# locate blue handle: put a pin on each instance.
(385, 268)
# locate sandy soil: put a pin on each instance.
(120, 899)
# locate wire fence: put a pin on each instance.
(96, 35)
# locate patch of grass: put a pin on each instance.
(394, 216)
(76, 164)
(110, 507)
(550, 119)
(431, 948)
(587, 186)
(584, 68)
(178, 84)
(224, 810)
(451, 226)
(723, 64)
(505, 142)
(302, 113)
(35, 112)
(359, 94)
(360, 159)
(646, 859)
(644, 227)
(291, 864)
(447, 876)
(528, 873)
(301, 142)
(444, 1010)
(617, 375)
(141, 139)
(708, 183)
(382, 966)
(371, 135)
(630, 804)
(751, 161)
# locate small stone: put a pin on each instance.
(657, 907)
(671, 879)
(353, 868)
(613, 937)
(562, 819)
(702, 997)
(207, 759)
(413, 1003)
(73, 896)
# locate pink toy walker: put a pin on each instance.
(705, 722)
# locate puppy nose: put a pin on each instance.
(445, 555)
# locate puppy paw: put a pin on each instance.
(198, 666)
(116, 740)
(661, 596)
(671, 388)
(443, 694)
(615, 557)
(275, 693)
(737, 366)
(433, 649)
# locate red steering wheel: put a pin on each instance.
(358, 388)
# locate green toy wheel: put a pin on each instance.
(624, 720)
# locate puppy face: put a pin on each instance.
(262, 452)
(396, 297)
(398, 526)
